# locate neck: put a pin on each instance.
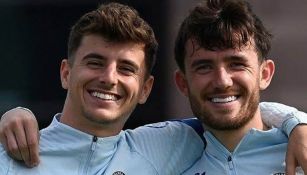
(231, 138)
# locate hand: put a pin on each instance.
(19, 135)
(297, 150)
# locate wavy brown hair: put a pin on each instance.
(116, 23)
(222, 24)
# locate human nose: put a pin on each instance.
(222, 79)
(109, 76)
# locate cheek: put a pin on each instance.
(79, 78)
(197, 83)
(247, 80)
(131, 85)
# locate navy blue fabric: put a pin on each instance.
(197, 126)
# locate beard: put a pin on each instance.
(214, 121)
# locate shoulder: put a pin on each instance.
(168, 129)
(171, 146)
(4, 161)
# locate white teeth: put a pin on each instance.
(224, 100)
(104, 96)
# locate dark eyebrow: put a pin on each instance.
(201, 61)
(94, 55)
(239, 58)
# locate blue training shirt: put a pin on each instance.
(166, 148)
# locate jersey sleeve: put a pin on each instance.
(172, 146)
(282, 116)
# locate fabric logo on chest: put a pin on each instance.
(118, 173)
(204, 173)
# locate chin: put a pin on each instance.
(102, 120)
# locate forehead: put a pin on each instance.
(195, 51)
(110, 50)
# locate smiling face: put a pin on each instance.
(105, 83)
(223, 85)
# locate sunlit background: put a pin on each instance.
(33, 37)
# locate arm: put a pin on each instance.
(293, 123)
(19, 135)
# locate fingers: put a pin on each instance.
(19, 135)
(290, 163)
(302, 162)
(32, 137)
(10, 143)
(297, 150)
(21, 139)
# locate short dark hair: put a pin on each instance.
(222, 24)
(116, 23)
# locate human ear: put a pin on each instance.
(65, 73)
(267, 70)
(181, 82)
(146, 89)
